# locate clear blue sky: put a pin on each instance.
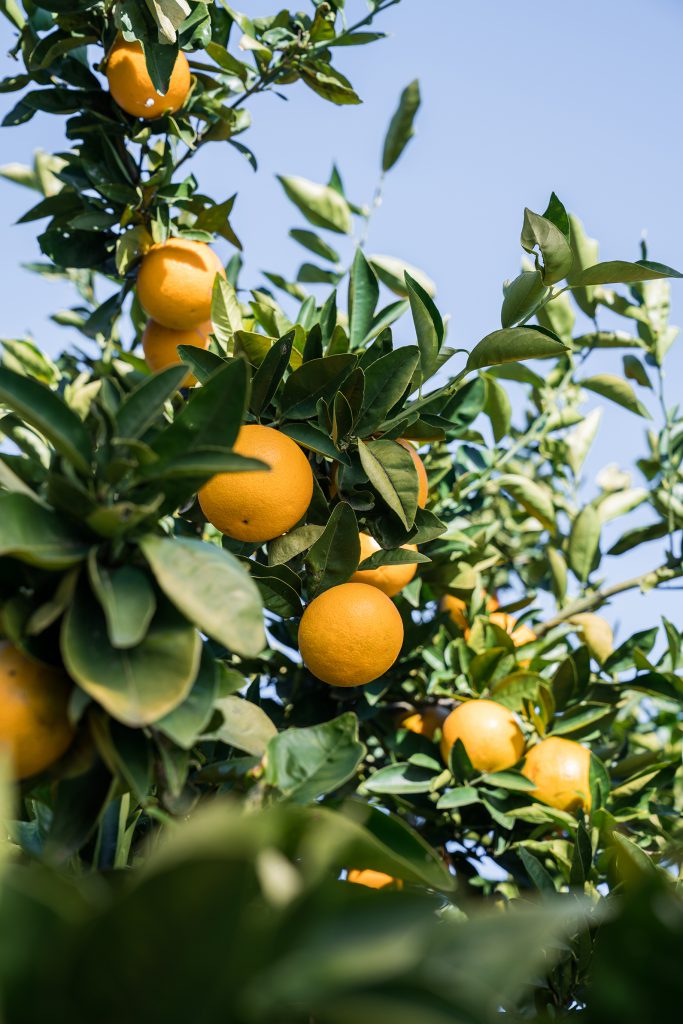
(518, 99)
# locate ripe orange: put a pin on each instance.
(34, 728)
(350, 635)
(560, 770)
(257, 506)
(423, 721)
(457, 609)
(490, 734)
(160, 346)
(423, 491)
(390, 579)
(373, 879)
(175, 282)
(131, 87)
(519, 635)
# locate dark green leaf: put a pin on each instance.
(401, 129)
(305, 764)
(210, 587)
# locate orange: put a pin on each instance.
(490, 734)
(175, 282)
(259, 505)
(350, 635)
(423, 488)
(34, 728)
(519, 635)
(390, 579)
(560, 770)
(160, 346)
(373, 879)
(131, 87)
(424, 721)
(457, 609)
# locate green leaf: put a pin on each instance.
(139, 685)
(314, 243)
(363, 297)
(534, 497)
(580, 439)
(186, 723)
(634, 370)
(428, 326)
(269, 374)
(539, 875)
(305, 764)
(584, 540)
(145, 403)
(47, 413)
(206, 418)
(640, 535)
(245, 726)
(284, 548)
(280, 588)
(585, 252)
(513, 690)
(202, 362)
(334, 556)
(199, 465)
(316, 379)
(128, 601)
(554, 247)
(210, 587)
(497, 408)
(620, 272)
(616, 390)
(513, 781)
(622, 658)
(320, 204)
(226, 315)
(327, 82)
(522, 297)
(315, 440)
(392, 272)
(400, 130)
(386, 381)
(36, 535)
(512, 344)
(402, 777)
(463, 796)
(391, 471)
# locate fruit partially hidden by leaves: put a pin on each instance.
(489, 732)
(260, 505)
(175, 282)
(519, 635)
(160, 346)
(390, 579)
(132, 88)
(34, 728)
(373, 879)
(457, 609)
(424, 721)
(423, 491)
(350, 635)
(560, 770)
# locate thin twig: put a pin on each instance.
(592, 601)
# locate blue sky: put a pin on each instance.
(518, 100)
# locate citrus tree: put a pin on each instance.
(277, 539)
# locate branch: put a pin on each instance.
(587, 604)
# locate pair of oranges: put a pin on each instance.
(352, 633)
(494, 742)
